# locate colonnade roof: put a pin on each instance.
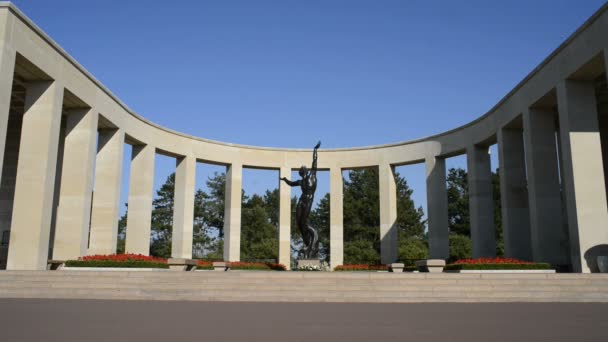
(452, 142)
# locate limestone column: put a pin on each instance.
(514, 194)
(583, 177)
(336, 222)
(481, 202)
(35, 183)
(106, 193)
(141, 191)
(183, 208)
(437, 203)
(74, 210)
(389, 252)
(7, 68)
(548, 234)
(232, 212)
(285, 218)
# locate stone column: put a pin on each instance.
(336, 222)
(548, 234)
(7, 69)
(183, 208)
(35, 183)
(481, 202)
(389, 252)
(437, 203)
(74, 211)
(106, 194)
(514, 194)
(285, 218)
(141, 191)
(583, 177)
(232, 213)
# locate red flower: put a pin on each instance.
(123, 258)
(497, 260)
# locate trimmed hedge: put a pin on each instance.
(530, 266)
(120, 264)
(410, 269)
(360, 268)
(248, 266)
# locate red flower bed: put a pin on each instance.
(204, 263)
(122, 258)
(361, 267)
(119, 260)
(496, 260)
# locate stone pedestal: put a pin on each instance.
(431, 265)
(221, 266)
(309, 262)
(181, 264)
(53, 265)
(396, 267)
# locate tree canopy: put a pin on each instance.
(458, 214)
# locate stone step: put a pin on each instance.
(303, 286)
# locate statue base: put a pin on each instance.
(309, 262)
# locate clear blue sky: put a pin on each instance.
(360, 72)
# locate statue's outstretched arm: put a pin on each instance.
(314, 157)
(290, 183)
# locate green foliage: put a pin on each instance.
(458, 206)
(537, 266)
(361, 268)
(260, 227)
(362, 219)
(460, 247)
(361, 252)
(412, 249)
(110, 263)
(122, 231)
(458, 202)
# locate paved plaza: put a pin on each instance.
(90, 320)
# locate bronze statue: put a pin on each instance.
(308, 184)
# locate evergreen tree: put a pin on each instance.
(458, 213)
(259, 231)
(362, 219)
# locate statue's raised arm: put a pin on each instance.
(314, 157)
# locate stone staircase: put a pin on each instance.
(304, 286)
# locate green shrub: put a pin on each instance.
(460, 247)
(361, 268)
(360, 252)
(534, 266)
(249, 266)
(412, 249)
(410, 268)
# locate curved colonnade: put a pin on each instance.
(65, 131)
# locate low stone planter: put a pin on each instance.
(431, 265)
(221, 266)
(181, 264)
(396, 267)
